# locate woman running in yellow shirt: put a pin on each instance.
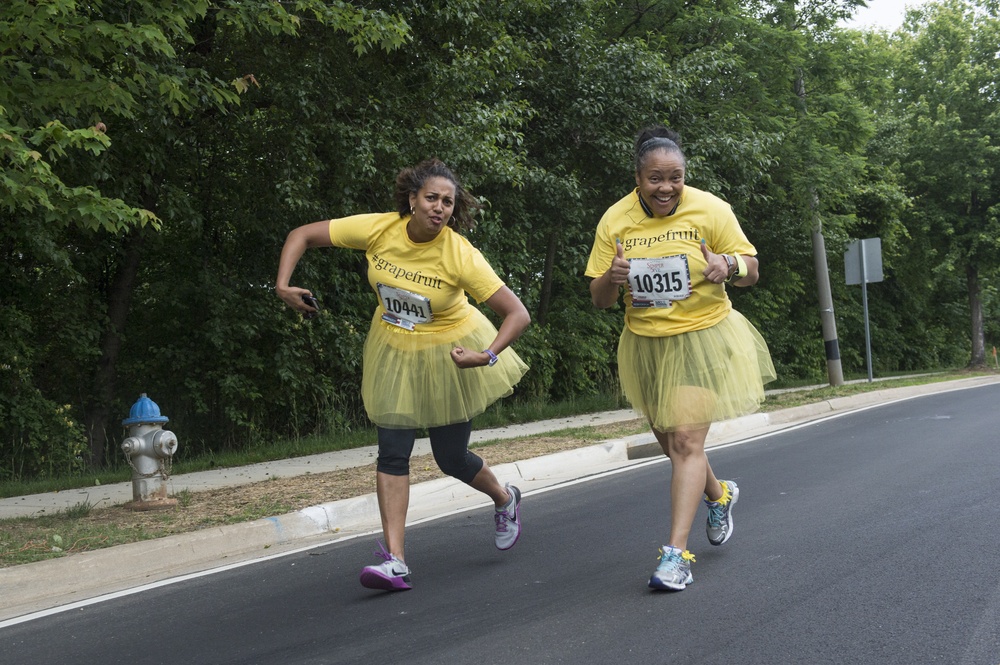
(431, 359)
(686, 358)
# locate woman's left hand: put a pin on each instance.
(465, 358)
(717, 270)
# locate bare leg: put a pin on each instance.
(487, 483)
(393, 501)
(691, 474)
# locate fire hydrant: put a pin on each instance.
(149, 450)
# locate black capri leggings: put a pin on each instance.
(449, 443)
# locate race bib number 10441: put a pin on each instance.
(658, 282)
(404, 308)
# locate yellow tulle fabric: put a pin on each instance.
(410, 380)
(696, 377)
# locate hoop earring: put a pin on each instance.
(411, 210)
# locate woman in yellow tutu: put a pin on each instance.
(431, 359)
(686, 358)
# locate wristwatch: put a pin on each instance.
(730, 264)
(493, 357)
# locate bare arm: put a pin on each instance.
(299, 239)
(604, 290)
(515, 320)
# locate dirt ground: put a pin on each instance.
(197, 510)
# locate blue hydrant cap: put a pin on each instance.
(144, 410)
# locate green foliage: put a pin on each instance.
(40, 437)
(946, 85)
(108, 113)
(153, 156)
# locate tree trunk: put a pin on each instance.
(97, 414)
(976, 314)
(545, 293)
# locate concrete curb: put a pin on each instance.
(39, 586)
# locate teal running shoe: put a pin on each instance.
(674, 570)
(720, 513)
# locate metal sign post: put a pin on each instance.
(863, 264)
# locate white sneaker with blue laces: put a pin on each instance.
(720, 513)
(673, 573)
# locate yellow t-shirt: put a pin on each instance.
(672, 295)
(420, 286)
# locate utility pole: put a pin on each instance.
(829, 323)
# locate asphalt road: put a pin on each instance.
(865, 538)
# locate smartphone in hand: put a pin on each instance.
(312, 302)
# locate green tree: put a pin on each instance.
(154, 157)
(774, 123)
(946, 84)
(98, 103)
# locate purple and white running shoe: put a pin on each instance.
(390, 575)
(508, 520)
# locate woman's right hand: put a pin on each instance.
(618, 272)
(292, 296)
(299, 239)
(604, 290)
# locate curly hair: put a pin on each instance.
(656, 137)
(411, 180)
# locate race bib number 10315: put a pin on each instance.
(659, 282)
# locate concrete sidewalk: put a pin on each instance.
(74, 579)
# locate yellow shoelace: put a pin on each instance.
(686, 555)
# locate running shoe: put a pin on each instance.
(720, 513)
(508, 519)
(674, 570)
(390, 575)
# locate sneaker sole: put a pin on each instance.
(732, 523)
(373, 580)
(667, 586)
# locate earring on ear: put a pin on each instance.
(411, 210)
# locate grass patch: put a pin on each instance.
(263, 507)
(504, 413)
(594, 433)
(45, 485)
(26, 540)
(783, 400)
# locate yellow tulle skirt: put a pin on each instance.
(696, 378)
(410, 380)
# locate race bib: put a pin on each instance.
(659, 282)
(404, 308)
